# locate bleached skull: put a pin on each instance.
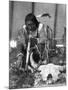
(52, 69)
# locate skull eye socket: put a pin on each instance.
(49, 76)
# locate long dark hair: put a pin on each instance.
(31, 17)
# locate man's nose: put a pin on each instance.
(30, 27)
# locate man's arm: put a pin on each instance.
(21, 42)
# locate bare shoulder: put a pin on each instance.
(40, 27)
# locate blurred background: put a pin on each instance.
(19, 9)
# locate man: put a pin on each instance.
(34, 31)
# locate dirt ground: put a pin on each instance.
(23, 79)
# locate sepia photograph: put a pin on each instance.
(37, 44)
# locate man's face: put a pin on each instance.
(30, 26)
